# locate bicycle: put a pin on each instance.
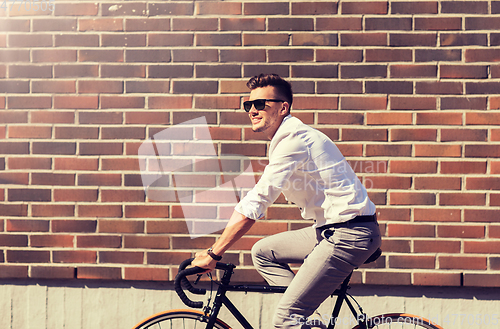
(208, 317)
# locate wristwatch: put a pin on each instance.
(214, 256)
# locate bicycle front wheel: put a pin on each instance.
(400, 321)
(179, 319)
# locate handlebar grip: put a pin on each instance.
(181, 278)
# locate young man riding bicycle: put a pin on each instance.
(307, 167)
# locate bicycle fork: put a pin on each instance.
(342, 296)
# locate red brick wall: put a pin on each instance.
(408, 90)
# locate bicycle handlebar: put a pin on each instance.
(181, 281)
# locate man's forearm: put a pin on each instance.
(237, 226)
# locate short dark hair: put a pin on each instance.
(263, 80)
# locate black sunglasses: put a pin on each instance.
(259, 104)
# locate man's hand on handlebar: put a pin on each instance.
(204, 260)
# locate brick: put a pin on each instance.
(410, 230)
(384, 182)
(482, 183)
(121, 257)
(17, 25)
(170, 71)
(55, 179)
(482, 55)
(149, 55)
(194, 24)
(59, 148)
(463, 39)
(396, 245)
(439, 118)
(147, 24)
(30, 163)
(100, 24)
(171, 9)
(292, 55)
(61, 241)
(364, 134)
(462, 199)
(387, 150)
(397, 214)
(166, 258)
(14, 55)
(195, 55)
(314, 8)
(388, 55)
(146, 211)
(243, 55)
(195, 87)
(268, 39)
(15, 86)
(481, 280)
(76, 133)
(99, 273)
(31, 40)
(338, 24)
(375, 7)
(438, 24)
(75, 70)
(387, 278)
(74, 226)
(341, 118)
(436, 246)
(388, 23)
(216, 102)
(339, 55)
(119, 164)
(146, 274)
(436, 55)
(413, 135)
(210, 8)
(463, 103)
(52, 272)
(147, 86)
(103, 55)
(123, 71)
(95, 86)
(316, 102)
(13, 240)
(480, 247)
(426, 150)
(76, 9)
(362, 71)
(464, 7)
(127, 9)
(75, 40)
(413, 262)
(412, 198)
(479, 215)
(494, 199)
(76, 102)
(461, 231)
(275, 8)
(339, 87)
(29, 71)
(437, 279)
(120, 226)
(243, 24)
(463, 167)
(27, 225)
(481, 88)
(146, 242)
(32, 132)
(361, 103)
(389, 87)
(416, 7)
(412, 103)
(27, 102)
(27, 256)
(40, 195)
(413, 71)
(170, 226)
(77, 256)
(482, 151)
(54, 24)
(437, 215)
(53, 86)
(53, 55)
(437, 183)
(52, 210)
(119, 102)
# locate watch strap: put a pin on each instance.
(214, 256)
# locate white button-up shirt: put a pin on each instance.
(311, 172)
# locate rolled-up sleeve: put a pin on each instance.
(288, 155)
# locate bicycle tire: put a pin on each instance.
(403, 321)
(178, 319)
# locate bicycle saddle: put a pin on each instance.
(374, 256)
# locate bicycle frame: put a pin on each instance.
(221, 299)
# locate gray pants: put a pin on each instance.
(328, 256)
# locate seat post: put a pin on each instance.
(341, 295)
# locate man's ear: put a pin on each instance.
(285, 108)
